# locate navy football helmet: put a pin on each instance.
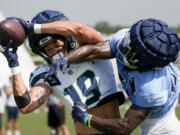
(152, 44)
(37, 42)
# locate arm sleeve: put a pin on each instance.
(37, 77)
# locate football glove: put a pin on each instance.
(80, 113)
(28, 27)
(11, 55)
(60, 64)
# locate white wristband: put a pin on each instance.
(15, 70)
(37, 28)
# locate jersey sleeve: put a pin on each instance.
(37, 77)
(116, 39)
(150, 88)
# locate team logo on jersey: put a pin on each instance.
(70, 72)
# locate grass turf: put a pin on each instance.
(36, 123)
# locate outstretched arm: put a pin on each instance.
(84, 53)
(27, 101)
(133, 117)
(83, 33)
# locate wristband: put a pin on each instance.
(89, 121)
(86, 118)
(38, 28)
(15, 70)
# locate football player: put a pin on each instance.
(51, 35)
(144, 54)
(56, 116)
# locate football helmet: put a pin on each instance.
(37, 42)
(150, 44)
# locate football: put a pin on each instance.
(11, 29)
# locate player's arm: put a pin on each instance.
(83, 53)
(133, 117)
(82, 33)
(28, 101)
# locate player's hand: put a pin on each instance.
(11, 55)
(80, 113)
(60, 64)
(28, 27)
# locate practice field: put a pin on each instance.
(36, 123)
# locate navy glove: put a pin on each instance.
(80, 113)
(28, 27)
(11, 55)
(60, 64)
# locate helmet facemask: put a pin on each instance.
(47, 16)
(50, 38)
(129, 56)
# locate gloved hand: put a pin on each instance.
(28, 27)
(80, 113)
(60, 64)
(11, 55)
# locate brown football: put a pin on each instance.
(11, 29)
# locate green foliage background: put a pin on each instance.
(106, 28)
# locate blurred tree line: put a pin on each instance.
(177, 29)
(105, 28)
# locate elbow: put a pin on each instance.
(27, 109)
(24, 111)
(80, 28)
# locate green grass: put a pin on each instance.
(36, 123)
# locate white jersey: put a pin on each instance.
(2, 100)
(88, 82)
(10, 100)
